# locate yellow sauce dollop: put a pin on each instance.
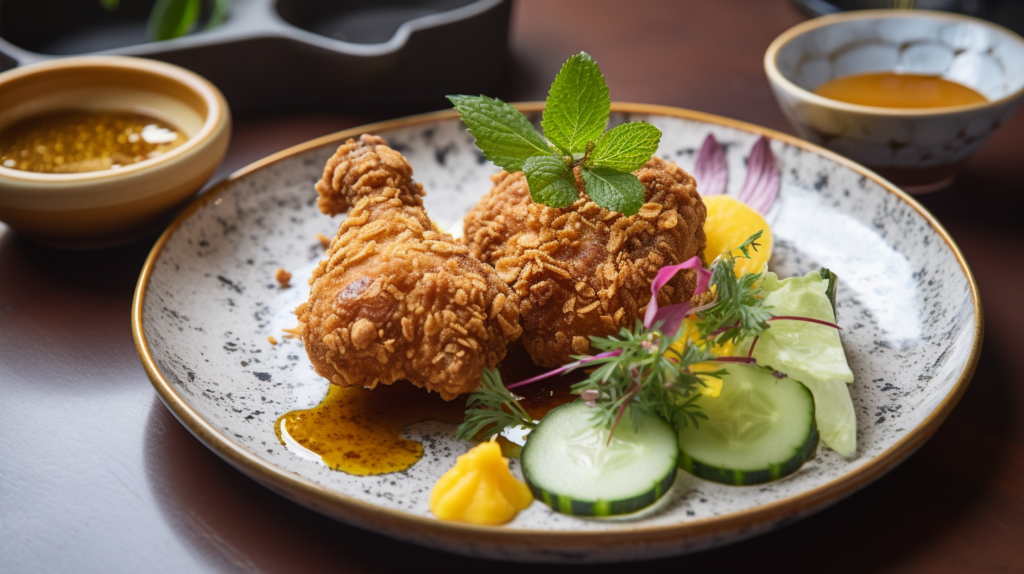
(82, 141)
(480, 489)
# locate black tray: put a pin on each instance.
(359, 56)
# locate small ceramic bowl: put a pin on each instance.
(109, 207)
(919, 149)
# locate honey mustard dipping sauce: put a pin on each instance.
(895, 90)
(360, 431)
(82, 141)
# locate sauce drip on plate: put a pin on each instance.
(542, 396)
(81, 141)
(894, 90)
(359, 430)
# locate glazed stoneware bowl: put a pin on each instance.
(920, 150)
(207, 301)
(108, 207)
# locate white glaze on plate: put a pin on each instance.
(211, 302)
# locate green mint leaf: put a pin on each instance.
(627, 147)
(109, 5)
(551, 181)
(504, 134)
(578, 105)
(614, 190)
(172, 18)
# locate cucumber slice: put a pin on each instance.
(569, 465)
(759, 429)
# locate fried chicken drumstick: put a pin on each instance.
(394, 298)
(584, 270)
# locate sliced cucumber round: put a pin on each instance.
(570, 465)
(758, 429)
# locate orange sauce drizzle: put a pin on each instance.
(895, 90)
(359, 430)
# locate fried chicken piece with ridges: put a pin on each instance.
(585, 271)
(394, 298)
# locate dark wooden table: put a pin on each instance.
(96, 475)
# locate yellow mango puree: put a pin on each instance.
(480, 489)
(729, 223)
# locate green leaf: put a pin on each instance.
(172, 18)
(578, 106)
(627, 147)
(614, 190)
(812, 354)
(551, 181)
(832, 281)
(504, 134)
(219, 13)
(110, 5)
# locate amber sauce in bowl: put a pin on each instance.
(898, 90)
(911, 94)
(84, 141)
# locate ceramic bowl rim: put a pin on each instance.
(398, 523)
(216, 115)
(779, 79)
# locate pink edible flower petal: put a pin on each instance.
(671, 318)
(761, 186)
(665, 274)
(711, 171)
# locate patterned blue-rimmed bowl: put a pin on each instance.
(207, 302)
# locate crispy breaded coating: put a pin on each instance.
(583, 270)
(395, 299)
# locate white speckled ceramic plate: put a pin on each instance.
(207, 301)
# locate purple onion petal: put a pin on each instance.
(761, 186)
(711, 171)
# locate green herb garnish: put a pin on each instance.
(491, 409)
(575, 117)
(648, 376)
(738, 311)
(641, 368)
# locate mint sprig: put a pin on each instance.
(575, 117)
(502, 132)
(551, 181)
(627, 147)
(614, 190)
(577, 109)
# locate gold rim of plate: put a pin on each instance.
(404, 525)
